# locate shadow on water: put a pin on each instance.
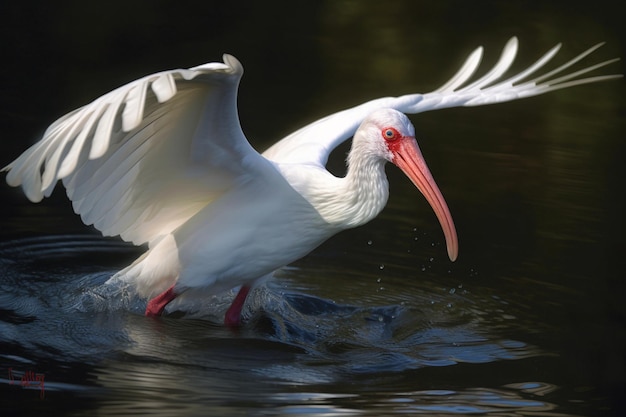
(297, 353)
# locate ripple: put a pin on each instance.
(57, 306)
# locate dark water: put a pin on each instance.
(529, 321)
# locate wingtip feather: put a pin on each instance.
(233, 63)
(164, 87)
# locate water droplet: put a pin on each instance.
(369, 242)
(431, 259)
(379, 280)
(381, 266)
(452, 290)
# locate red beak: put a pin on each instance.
(408, 157)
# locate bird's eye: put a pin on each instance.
(390, 133)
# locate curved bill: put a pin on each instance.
(408, 157)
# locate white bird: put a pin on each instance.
(163, 161)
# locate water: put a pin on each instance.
(529, 320)
(298, 352)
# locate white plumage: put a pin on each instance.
(163, 161)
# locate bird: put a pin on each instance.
(163, 161)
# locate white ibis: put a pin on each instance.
(163, 161)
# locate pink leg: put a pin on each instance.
(156, 306)
(233, 314)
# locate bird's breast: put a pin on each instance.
(248, 233)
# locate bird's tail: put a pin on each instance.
(153, 272)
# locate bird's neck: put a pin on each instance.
(367, 186)
(356, 198)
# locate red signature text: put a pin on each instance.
(28, 379)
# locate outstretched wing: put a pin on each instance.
(313, 143)
(144, 158)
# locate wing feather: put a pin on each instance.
(504, 63)
(467, 70)
(313, 143)
(164, 87)
(134, 102)
(142, 159)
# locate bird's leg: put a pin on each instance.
(233, 314)
(232, 318)
(156, 306)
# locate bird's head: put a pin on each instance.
(389, 134)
